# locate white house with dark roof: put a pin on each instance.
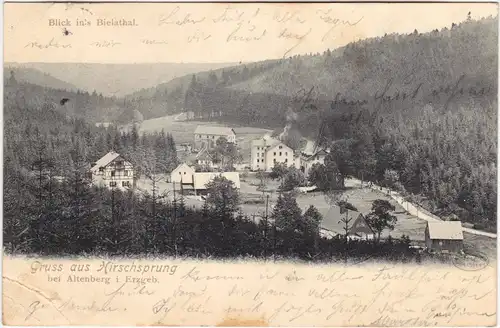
(113, 171)
(268, 151)
(206, 136)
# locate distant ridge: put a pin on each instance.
(117, 79)
(33, 76)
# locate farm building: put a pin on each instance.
(200, 179)
(360, 229)
(356, 223)
(207, 136)
(182, 174)
(446, 236)
(113, 171)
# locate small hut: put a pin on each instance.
(444, 236)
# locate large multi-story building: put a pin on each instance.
(207, 136)
(267, 151)
(113, 171)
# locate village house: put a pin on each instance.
(113, 171)
(307, 162)
(201, 179)
(182, 174)
(268, 151)
(309, 156)
(360, 230)
(206, 136)
(444, 236)
(356, 223)
(204, 158)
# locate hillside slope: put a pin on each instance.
(34, 76)
(93, 107)
(118, 79)
(396, 70)
(420, 109)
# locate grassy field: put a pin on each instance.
(253, 204)
(183, 131)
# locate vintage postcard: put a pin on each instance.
(250, 164)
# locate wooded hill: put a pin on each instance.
(93, 107)
(422, 105)
(392, 65)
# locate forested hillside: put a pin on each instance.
(40, 131)
(421, 105)
(176, 95)
(33, 76)
(92, 107)
(114, 79)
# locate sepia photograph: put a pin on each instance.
(250, 164)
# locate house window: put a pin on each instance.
(119, 163)
(286, 153)
(257, 160)
(101, 169)
(213, 137)
(274, 153)
(184, 173)
(274, 161)
(112, 184)
(262, 154)
(125, 183)
(280, 153)
(180, 173)
(113, 173)
(286, 160)
(281, 147)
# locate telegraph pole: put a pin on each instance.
(174, 238)
(265, 228)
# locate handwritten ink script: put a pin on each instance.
(290, 30)
(203, 293)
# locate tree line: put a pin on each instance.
(75, 218)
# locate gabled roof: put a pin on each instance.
(309, 148)
(181, 165)
(200, 179)
(204, 154)
(214, 130)
(445, 230)
(266, 141)
(335, 213)
(360, 226)
(278, 144)
(105, 160)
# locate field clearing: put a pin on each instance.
(183, 131)
(253, 204)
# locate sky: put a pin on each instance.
(209, 32)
